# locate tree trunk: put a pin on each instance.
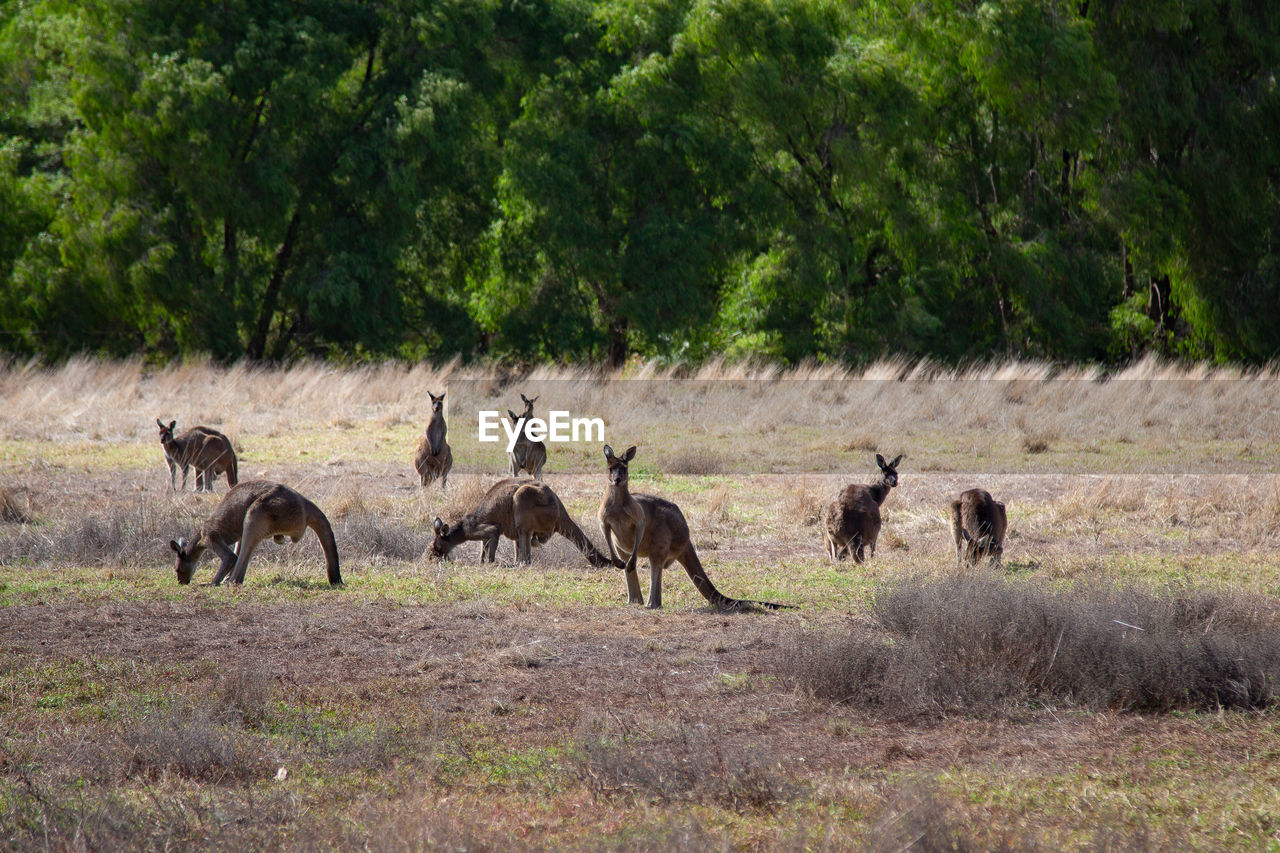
(617, 352)
(270, 299)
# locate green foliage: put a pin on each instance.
(555, 179)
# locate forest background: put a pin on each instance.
(557, 180)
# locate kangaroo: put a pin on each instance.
(853, 519)
(522, 510)
(249, 513)
(648, 526)
(183, 452)
(978, 523)
(434, 459)
(526, 455)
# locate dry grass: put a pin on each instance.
(10, 509)
(980, 646)
(461, 706)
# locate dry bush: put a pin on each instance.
(201, 742)
(246, 695)
(10, 511)
(367, 536)
(696, 463)
(718, 503)
(464, 495)
(800, 505)
(120, 535)
(77, 819)
(681, 764)
(915, 819)
(978, 646)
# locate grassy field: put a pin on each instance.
(1112, 686)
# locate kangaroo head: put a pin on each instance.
(437, 403)
(187, 557)
(889, 470)
(440, 546)
(517, 420)
(528, 405)
(166, 432)
(618, 464)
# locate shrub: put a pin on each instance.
(978, 645)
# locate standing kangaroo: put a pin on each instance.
(434, 459)
(530, 513)
(648, 526)
(526, 455)
(201, 447)
(249, 513)
(853, 519)
(978, 523)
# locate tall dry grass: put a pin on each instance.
(730, 409)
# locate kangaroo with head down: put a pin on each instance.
(521, 510)
(251, 512)
(978, 523)
(526, 455)
(853, 519)
(201, 447)
(434, 459)
(648, 526)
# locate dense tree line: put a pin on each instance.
(564, 179)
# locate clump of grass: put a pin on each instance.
(366, 536)
(683, 763)
(10, 511)
(695, 463)
(864, 441)
(200, 742)
(465, 493)
(802, 506)
(980, 646)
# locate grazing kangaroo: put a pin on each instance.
(853, 519)
(526, 455)
(434, 459)
(978, 523)
(522, 510)
(201, 447)
(648, 526)
(249, 513)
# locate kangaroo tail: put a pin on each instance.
(317, 521)
(566, 527)
(693, 566)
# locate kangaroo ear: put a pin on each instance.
(608, 452)
(880, 461)
(514, 416)
(894, 463)
(437, 524)
(160, 423)
(175, 546)
(172, 424)
(630, 454)
(441, 397)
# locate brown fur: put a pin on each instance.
(251, 512)
(522, 510)
(526, 455)
(193, 449)
(648, 526)
(978, 523)
(434, 458)
(853, 519)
